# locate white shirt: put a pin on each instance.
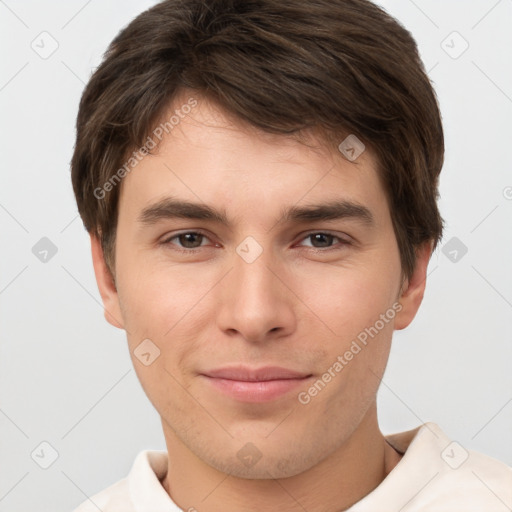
(435, 474)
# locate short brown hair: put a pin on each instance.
(283, 66)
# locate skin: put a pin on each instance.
(294, 306)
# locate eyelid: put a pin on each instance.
(343, 239)
(167, 239)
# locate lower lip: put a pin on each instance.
(259, 391)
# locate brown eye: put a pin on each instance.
(321, 240)
(190, 240)
(186, 241)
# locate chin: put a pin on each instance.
(249, 462)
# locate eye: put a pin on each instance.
(188, 240)
(192, 241)
(321, 240)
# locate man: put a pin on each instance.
(259, 181)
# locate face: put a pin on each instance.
(263, 334)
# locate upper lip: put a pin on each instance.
(244, 373)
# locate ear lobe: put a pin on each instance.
(106, 285)
(413, 289)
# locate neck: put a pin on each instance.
(347, 475)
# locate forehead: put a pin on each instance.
(207, 156)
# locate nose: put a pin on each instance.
(256, 301)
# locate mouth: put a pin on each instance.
(255, 385)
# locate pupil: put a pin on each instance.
(185, 240)
(324, 235)
(188, 238)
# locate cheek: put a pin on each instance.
(152, 296)
(165, 305)
(162, 314)
(346, 300)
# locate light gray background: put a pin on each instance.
(66, 376)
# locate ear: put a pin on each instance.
(106, 285)
(413, 289)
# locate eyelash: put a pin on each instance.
(342, 241)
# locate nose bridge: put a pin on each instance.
(252, 265)
(255, 301)
(251, 276)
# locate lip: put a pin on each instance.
(255, 384)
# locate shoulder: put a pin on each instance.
(140, 484)
(474, 479)
(113, 498)
(451, 477)
(141, 488)
(438, 474)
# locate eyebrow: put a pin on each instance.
(170, 208)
